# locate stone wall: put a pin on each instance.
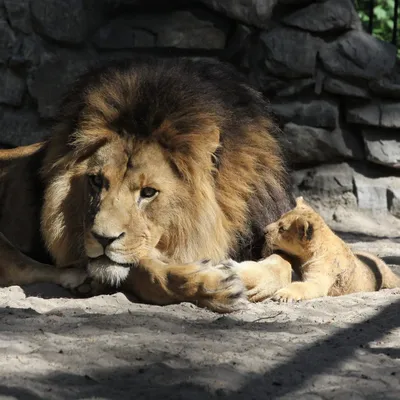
(334, 89)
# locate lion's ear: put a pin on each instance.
(305, 230)
(190, 151)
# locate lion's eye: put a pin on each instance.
(148, 192)
(96, 181)
(282, 229)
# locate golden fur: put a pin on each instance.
(210, 162)
(326, 264)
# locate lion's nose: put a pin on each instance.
(104, 240)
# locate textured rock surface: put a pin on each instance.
(382, 146)
(47, 88)
(288, 53)
(252, 12)
(181, 29)
(320, 113)
(12, 87)
(18, 12)
(359, 55)
(7, 40)
(341, 87)
(308, 144)
(331, 15)
(20, 128)
(61, 20)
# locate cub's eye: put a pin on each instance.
(148, 192)
(96, 181)
(282, 229)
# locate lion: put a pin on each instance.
(153, 166)
(325, 263)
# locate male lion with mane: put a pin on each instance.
(153, 165)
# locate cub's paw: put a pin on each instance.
(294, 292)
(218, 288)
(72, 277)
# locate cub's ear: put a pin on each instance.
(305, 230)
(300, 201)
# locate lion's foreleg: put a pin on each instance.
(213, 286)
(18, 269)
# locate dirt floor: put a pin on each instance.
(107, 347)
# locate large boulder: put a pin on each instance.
(19, 14)
(54, 76)
(357, 54)
(327, 16)
(252, 12)
(7, 40)
(382, 146)
(384, 114)
(61, 20)
(286, 52)
(196, 29)
(20, 128)
(319, 113)
(309, 145)
(12, 87)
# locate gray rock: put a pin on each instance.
(331, 179)
(12, 87)
(390, 114)
(394, 201)
(194, 29)
(308, 144)
(388, 86)
(331, 15)
(61, 20)
(7, 41)
(252, 12)
(364, 113)
(53, 77)
(26, 52)
(287, 52)
(265, 83)
(382, 146)
(296, 86)
(359, 55)
(19, 14)
(296, 2)
(372, 192)
(321, 113)
(20, 128)
(339, 86)
(118, 34)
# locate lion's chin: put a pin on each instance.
(107, 271)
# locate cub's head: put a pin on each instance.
(128, 173)
(294, 232)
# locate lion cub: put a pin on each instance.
(326, 264)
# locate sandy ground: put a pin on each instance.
(107, 347)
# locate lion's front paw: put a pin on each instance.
(294, 292)
(72, 277)
(219, 288)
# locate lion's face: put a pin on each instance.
(293, 232)
(129, 189)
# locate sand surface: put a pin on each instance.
(107, 347)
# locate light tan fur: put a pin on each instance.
(326, 264)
